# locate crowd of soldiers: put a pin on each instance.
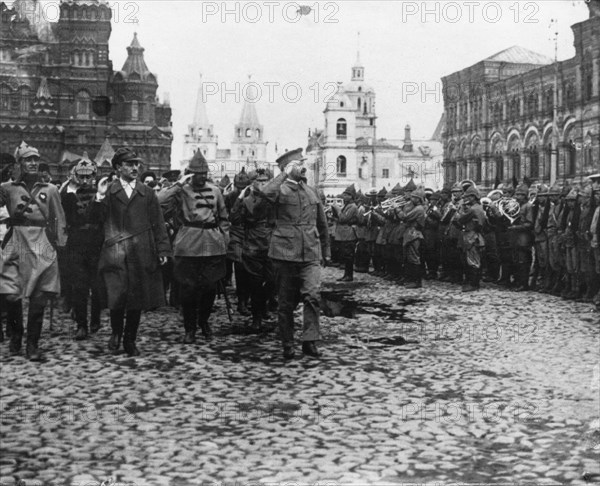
(130, 243)
(537, 238)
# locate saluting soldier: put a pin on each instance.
(200, 246)
(135, 245)
(83, 248)
(299, 242)
(30, 267)
(345, 232)
(258, 218)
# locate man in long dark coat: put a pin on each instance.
(135, 245)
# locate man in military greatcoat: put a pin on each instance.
(300, 241)
(135, 245)
(30, 266)
(200, 245)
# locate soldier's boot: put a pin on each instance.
(190, 317)
(242, 306)
(593, 286)
(35, 318)
(132, 323)
(579, 287)
(471, 283)
(95, 314)
(348, 272)
(117, 318)
(413, 276)
(570, 283)
(546, 282)
(207, 300)
(80, 311)
(14, 323)
(557, 286)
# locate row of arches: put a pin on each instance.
(522, 155)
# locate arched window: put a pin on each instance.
(499, 162)
(571, 168)
(341, 128)
(534, 162)
(477, 169)
(25, 101)
(239, 132)
(248, 132)
(341, 166)
(82, 104)
(532, 104)
(549, 101)
(257, 133)
(359, 103)
(135, 110)
(516, 163)
(569, 97)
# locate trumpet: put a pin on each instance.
(392, 203)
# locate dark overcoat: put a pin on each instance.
(135, 237)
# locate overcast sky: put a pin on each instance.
(400, 45)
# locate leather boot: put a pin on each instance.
(95, 312)
(412, 274)
(556, 289)
(14, 324)
(207, 299)
(82, 332)
(35, 319)
(567, 289)
(190, 317)
(132, 323)
(116, 323)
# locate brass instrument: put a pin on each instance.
(330, 202)
(392, 203)
(509, 208)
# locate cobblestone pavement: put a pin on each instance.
(415, 386)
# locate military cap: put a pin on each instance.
(24, 151)
(264, 172)
(428, 191)
(472, 191)
(290, 156)
(172, 175)
(435, 196)
(456, 187)
(594, 177)
(351, 191)
(198, 163)
(543, 190)
(522, 189)
(124, 154)
(419, 194)
(241, 180)
(224, 182)
(446, 191)
(396, 191)
(382, 193)
(372, 191)
(554, 190)
(466, 184)
(411, 186)
(85, 167)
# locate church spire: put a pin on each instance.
(249, 117)
(358, 70)
(135, 60)
(200, 116)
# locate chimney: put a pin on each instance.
(408, 146)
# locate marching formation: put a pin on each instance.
(130, 243)
(525, 238)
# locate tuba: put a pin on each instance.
(509, 208)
